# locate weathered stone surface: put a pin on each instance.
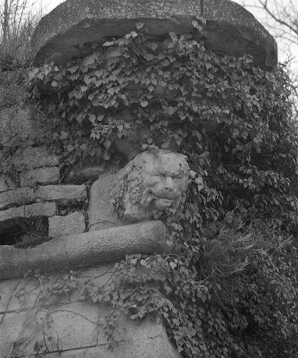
(40, 176)
(34, 157)
(93, 247)
(8, 217)
(151, 185)
(100, 211)
(16, 197)
(70, 326)
(6, 183)
(76, 330)
(12, 88)
(18, 126)
(73, 27)
(23, 292)
(10, 328)
(145, 339)
(62, 194)
(73, 223)
(80, 173)
(18, 294)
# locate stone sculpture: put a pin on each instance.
(154, 183)
(121, 203)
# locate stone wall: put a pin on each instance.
(70, 328)
(38, 202)
(35, 190)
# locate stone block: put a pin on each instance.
(16, 197)
(40, 176)
(34, 157)
(8, 217)
(6, 183)
(62, 194)
(73, 223)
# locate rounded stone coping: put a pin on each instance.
(93, 247)
(75, 27)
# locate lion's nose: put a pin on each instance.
(169, 185)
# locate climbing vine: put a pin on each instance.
(220, 291)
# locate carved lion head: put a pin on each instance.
(152, 184)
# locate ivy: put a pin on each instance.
(229, 287)
(232, 120)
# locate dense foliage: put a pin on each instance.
(229, 289)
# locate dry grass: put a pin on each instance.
(18, 21)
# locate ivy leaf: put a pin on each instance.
(107, 143)
(144, 103)
(148, 56)
(152, 45)
(92, 118)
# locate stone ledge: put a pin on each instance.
(93, 247)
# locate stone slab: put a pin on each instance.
(62, 194)
(70, 29)
(17, 197)
(34, 157)
(73, 223)
(40, 176)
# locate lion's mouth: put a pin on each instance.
(163, 204)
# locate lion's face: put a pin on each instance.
(155, 182)
(164, 180)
